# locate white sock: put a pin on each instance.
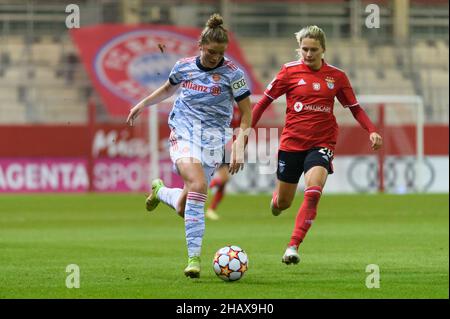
(194, 222)
(170, 196)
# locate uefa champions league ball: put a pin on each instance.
(230, 263)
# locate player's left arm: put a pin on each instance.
(347, 98)
(360, 115)
(238, 147)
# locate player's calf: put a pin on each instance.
(277, 206)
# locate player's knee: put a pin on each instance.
(198, 187)
(225, 179)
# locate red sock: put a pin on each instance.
(215, 182)
(306, 214)
(217, 197)
(275, 200)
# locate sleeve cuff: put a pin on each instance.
(173, 82)
(242, 96)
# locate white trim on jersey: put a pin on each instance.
(351, 105)
(293, 63)
(268, 96)
(332, 66)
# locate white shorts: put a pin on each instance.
(184, 148)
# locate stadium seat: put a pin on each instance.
(11, 111)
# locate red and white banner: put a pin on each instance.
(126, 63)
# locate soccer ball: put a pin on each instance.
(230, 263)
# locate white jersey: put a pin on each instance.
(204, 108)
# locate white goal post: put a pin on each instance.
(415, 104)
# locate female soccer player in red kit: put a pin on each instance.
(309, 137)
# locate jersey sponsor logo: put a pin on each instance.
(330, 82)
(316, 86)
(298, 106)
(215, 90)
(195, 87)
(301, 82)
(317, 108)
(238, 84)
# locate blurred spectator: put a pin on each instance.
(69, 62)
(5, 60)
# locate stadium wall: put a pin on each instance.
(115, 158)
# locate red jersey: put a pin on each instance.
(310, 121)
(236, 119)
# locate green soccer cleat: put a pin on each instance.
(193, 268)
(152, 200)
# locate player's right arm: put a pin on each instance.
(162, 93)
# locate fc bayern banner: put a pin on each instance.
(126, 63)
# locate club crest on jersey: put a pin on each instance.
(330, 82)
(215, 90)
(316, 86)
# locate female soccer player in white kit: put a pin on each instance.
(201, 115)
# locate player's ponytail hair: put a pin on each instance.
(214, 31)
(311, 32)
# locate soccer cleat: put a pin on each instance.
(193, 268)
(152, 200)
(291, 256)
(275, 211)
(211, 214)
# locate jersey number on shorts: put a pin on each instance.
(326, 152)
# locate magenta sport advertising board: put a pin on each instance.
(50, 175)
(43, 175)
(115, 159)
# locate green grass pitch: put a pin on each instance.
(125, 252)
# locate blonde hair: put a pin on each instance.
(214, 31)
(312, 32)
